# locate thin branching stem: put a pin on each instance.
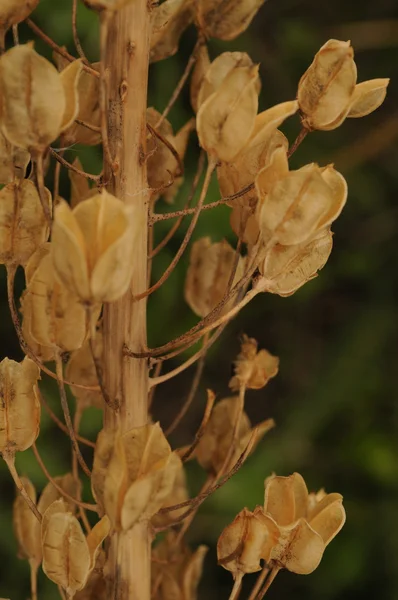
(71, 167)
(75, 34)
(170, 147)
(15, 35)
(301, 136)
(237, 587)
(41, 188)
(90, 126)
(61, 425)
(33, 564)
(235, 432)
(199, 434)
(9, 459)
(259, 583)
(268, 583)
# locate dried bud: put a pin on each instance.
(26, 525)
(301, 203)
(208, 274)
(55, 317)
(50, 97)
(93, 247)
(19, 405)
(305, 529)
(178, 494)
(169, 21)
(23, 226)
(13, 161)
(177, 568)
(228, 102)
(133, 474)
(226, 19)
(13, 12)
(253, 369)
(327, 93)
(68, 556)
(247, 540)
(202, 65)
(287, 268)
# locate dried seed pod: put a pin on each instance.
(287, 268)
(108, 5)
(133, 474)
(247, 540)
(79, 186)
(23, 226)
(19, 405)
(92, 247)
(13, 12)
(81, 369)
(306, 528)
(253, 369)
(298, 205)
(55, 317)
(169, 21)
(202, 64)
(50, 97)
(50, 494)
(327, 92)
(177, 568)
(228, 102)
(226, 20)
(43, 353)
(208, 275)
(95, 587)
(178, 494)
(13, 161)
(68, 556)
(26, 525)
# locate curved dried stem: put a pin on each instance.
(76, 39)
(97, 362)
(15, 35)
(9, 459)
(87, 506)
(268, 583)
(210, 168)
(56, 48)
(235, 593)
(41, 188)
(199, 434)
(259, 583)
(301, 136)
(170, 146)
(192, 392)
(195, 183)
(57, 174)
(67, 417)
(71, 167)
(235, 432)
(88, 125)
(61, 425)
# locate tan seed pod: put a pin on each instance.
(19, 405)
(178, 494)
(208, 274)
(169, 21)
(133, 474)
(79, 186)
(95, 587)
(287, 268)
(202, 64)
(26, 525)
(56, 318)
(43, 353)
(13, 161)
(368, 96)
(226, 20)
(92, 247)
(23, 226)
(81, 369)
(50, 494)
(13, 12)
(253, 369)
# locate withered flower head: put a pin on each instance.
(327, 92)
(253, 369)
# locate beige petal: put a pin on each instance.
(368, 96)
(80, 189)
(268, 121)
(178, 494)
(102, 456)
(202, 65)
(339, 191)
(70, 80)
(88, 111)
(169, 20)
(276, 168)
(328, 517)
(95, 538)
(50, 493)
(285, 498)
(300, 549)
(226, 19)
(219, 69)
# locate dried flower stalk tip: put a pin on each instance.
(253, 369)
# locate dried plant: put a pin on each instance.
(87, 266)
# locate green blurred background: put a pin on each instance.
(335, 398)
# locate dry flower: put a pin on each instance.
(133, 474)
(50, 96)
(327, 92)
(169, 20)
(79, 186)
(226, 19)
(287, 268)
(253, 369)
(13, 161)
(95, 587)
(296, 206)
(19, 405)
(81, 369)
(26, 526)
(23, 226)
(13, 12)
(92, 247)
(69, 484)
(209, 273)
(178, 494)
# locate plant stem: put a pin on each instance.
(125, 58)
(9, 459)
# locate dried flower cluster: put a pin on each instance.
(87, 262)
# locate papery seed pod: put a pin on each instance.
(43, 353)
(247, 540)
(95, 588)
(169, 21)
(50, 494)
(26, 526)
(19, 405)
(177, 569)
(287, 268)
(226, 20)
(208, 274)
(368, 96)
(178, 494)
(202, 64)
(253, 369)
(23, 226)
(50, 97)
(13, 12)
(55, 317)
(92, 247)
(133, 474)
(228, 102)
(81, 369)
(298, 205)
(79, 186)
(13, 161)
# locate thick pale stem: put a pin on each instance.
(125, 52)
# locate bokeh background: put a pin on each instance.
(335, 398)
